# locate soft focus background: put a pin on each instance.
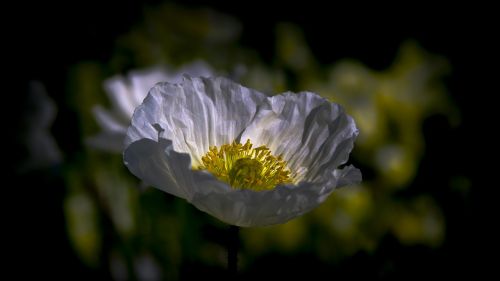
(410, 77)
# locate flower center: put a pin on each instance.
(244, 167)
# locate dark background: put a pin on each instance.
(47, 39)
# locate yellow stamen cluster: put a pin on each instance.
(244, 167)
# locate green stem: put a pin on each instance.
(232, 250)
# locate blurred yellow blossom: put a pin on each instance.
(391, 106)
(82, 223)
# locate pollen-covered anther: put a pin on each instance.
(244, 167)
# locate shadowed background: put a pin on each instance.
(405, 76)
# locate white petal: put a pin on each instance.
(197, 114)
(249, 208)
(348, 176)
(312, 134)
(121, 96)
(107, 121)
(157, 164)
(143, 80)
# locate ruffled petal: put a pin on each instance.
(126, 93)
(349, 175)
(312, 134)
(157, 164)
(141, 81)
(196, 114)
(249, 208)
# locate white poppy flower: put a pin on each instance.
(243, 157)
(126, 93)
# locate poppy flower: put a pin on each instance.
(241, 156)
